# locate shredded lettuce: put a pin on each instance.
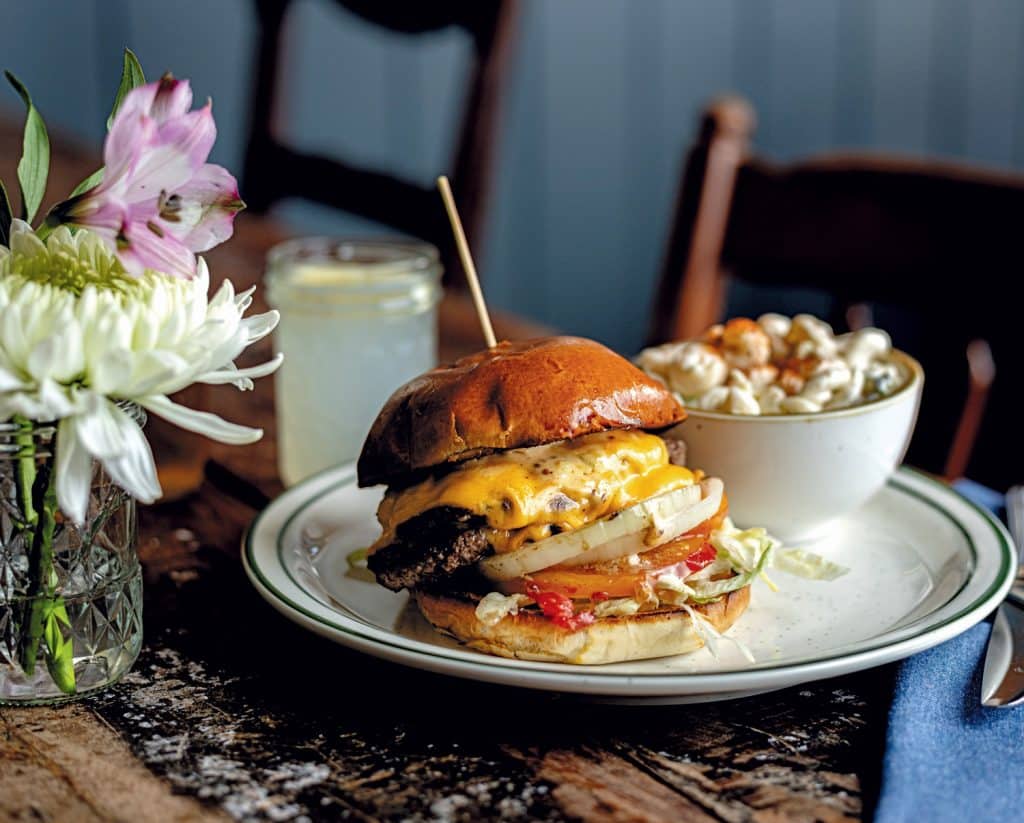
(807, 564)
(706, 592)
(743, 548)
(495, 607)
(672, 584)
(746, 551)
(711, 636)
(357, 559)
(620, 606)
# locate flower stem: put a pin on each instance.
(25, 474)
(44, 230)
(45, 608)
(24, 477)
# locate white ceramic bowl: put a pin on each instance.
(795, 473)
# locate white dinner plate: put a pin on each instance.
(925, 564)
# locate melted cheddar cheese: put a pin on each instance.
(529, 494)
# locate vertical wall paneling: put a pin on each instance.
(993, 88)
(947, 87)
(52, 47)
(647, 158)
(699, 58)
(602, 103)
(377, 98)
(853, 111)
(803, 76)
(425, 80)
(901, 66)
(336, 95)
(405, 78)
(516, 255)
(752, 63)
(1018, 111)
(113, 33)
(584, 101)
(444, 61)
(338, 98)
(209, 43)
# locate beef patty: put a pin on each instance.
(429, 547)
(434, 545)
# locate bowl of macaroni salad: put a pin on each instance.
(805, 425)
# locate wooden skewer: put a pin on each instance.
(467, 261)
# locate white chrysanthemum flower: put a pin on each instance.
(79, 336)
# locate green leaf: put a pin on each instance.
(6, 216)
(60, 660)
(93, 179)
(34, 166)
(51, 633)
(131, 78)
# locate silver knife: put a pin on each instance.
(1002, 681)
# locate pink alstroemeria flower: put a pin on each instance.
(159, 201)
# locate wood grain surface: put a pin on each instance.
(233, 712)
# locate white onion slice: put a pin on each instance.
(642, 526)
(659, 529)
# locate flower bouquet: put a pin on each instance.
(104, 312)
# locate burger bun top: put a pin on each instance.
(514, 395)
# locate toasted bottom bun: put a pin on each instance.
(531, 636)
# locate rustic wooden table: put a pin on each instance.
(233, 712)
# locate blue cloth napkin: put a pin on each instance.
(947, 758)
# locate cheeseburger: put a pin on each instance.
(534, 509)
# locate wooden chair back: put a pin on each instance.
(932, 238)
(274, 170)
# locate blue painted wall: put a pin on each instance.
(601, 105)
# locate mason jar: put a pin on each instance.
(358, 319)
(70, 602)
